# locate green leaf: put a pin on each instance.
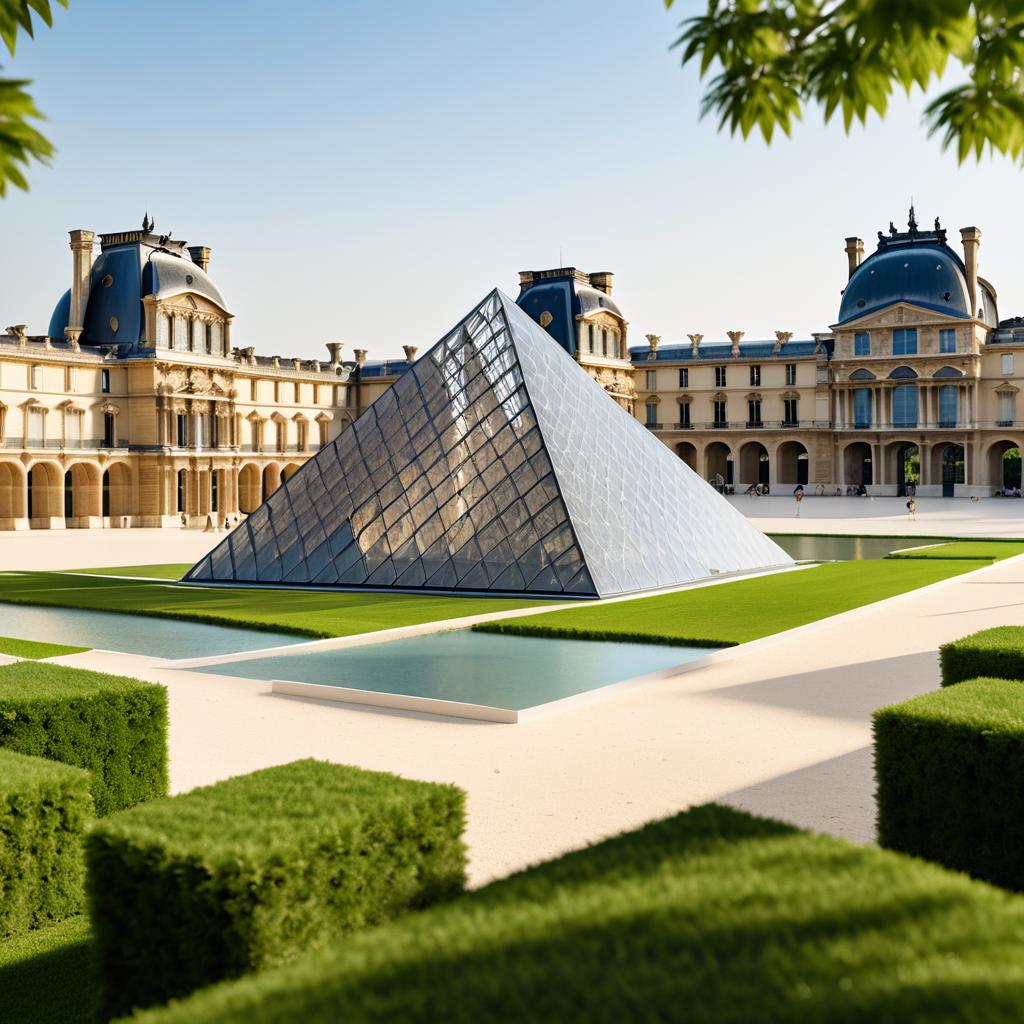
(19, 141)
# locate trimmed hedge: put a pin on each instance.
(111, 725)
(44, 807)
(997, 652)
(708, 917)
(246, 874)
(949, 765)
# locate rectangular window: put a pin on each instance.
(652, 414)
(904, 341)
(862, 344)
(182, 430)
(652, 380)
(947, 405)
(36, 428)
(862, 408)
(754, 412)
(254, 430)
(684, 414)
(35, 378)
(1007, 364)
(72, 379)
(789, 406)
(684, 377)
(108, 430)
(1006, 410)
(790, 374)
(252, 390)
(720, 419)
(590, 338)
(947, 339)
(298, 393)
(105, 381)
(755, 376)
(719, 376)
(904, 406)
(73, 429)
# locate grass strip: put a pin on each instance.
(162, 571)
(742, 610)
(49, 976)
(312, 613)
(35, 649)
(993, 550)
(711, 916)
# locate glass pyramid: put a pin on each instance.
(493, 464)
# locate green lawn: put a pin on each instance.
(733, 613)
(162, 571)
(34, 649)
(993, 550)
(305, 612)
(47, 976)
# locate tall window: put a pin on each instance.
(35, 378)
(1006, 361)
(71, 379)
(180, 497)
(720, 417)
(947, 339)
(948, 405)
(73, 428)
(209, 339)
(282, 436)
(904, 341)
(214, 495)
(904, 406)
(789, 412)
(652, 414)
(181, 422)
(754, 412)
(684, 377)
(108, 430)
(180, 326)
(254, 429)
(322, 424)
(1006, 410)
(790, 374)
(684, 414)
(719, 376)
(652, 380)
(604, 341)
(298, 392)
(590, 338)
(862, 407)
(252, 389)
(36, 428)
(862, 344)
(755, 376)
(105, 381)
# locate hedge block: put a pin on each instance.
(949, 767)
(247, 873)
(710, 917)
(996, 653)
(44, 807)
(114, 727)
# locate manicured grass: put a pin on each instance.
(996, 652)
(993, 550)
(709, 917)
(34, 649)
(305, 612)
(733, 613)
(49, 976)
(161, 571)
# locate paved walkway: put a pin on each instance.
(100, 549)
(782, 727)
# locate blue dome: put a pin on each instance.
(926, 275)
(60, 317)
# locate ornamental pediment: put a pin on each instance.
(900, 314)
(193, 380)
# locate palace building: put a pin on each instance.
(917, 383)
(135, 410)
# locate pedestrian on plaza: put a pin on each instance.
(798, 495)
(912, 508)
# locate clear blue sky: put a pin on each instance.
(365, 170)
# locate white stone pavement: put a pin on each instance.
(782, 727)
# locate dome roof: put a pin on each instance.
(928, 275)
(174, 275)
(592, 299)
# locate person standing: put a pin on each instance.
(798, 496)
(912, 508)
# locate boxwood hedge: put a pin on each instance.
(44, 807)
(708, 917)
(948, 766)
(997, 652)
(111, 725)
(247, 873)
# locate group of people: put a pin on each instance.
(757, 489)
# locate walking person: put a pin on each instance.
(912, 508)
(798, 496)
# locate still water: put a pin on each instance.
(806, 548)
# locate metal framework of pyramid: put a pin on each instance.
(496, 464)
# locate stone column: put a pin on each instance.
(81, 269)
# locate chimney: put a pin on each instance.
(275, 362)
(695, 340)
(854, 253)
(335, 347)
(781, 339)
(81, 269)
(200, 256)
(525, 278)
(735, 337)
(602, 281)
(653, 341)
(360, 354)
(971, 239)
(410, 353)
(297, 363)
